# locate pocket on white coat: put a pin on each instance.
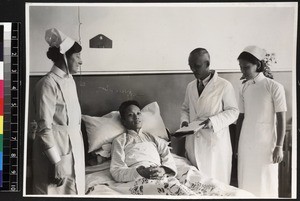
(67, 163)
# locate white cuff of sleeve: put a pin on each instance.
(53, 155)
(214, 124)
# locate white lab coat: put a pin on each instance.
(259, 100)
(58, 137)
(210, 149)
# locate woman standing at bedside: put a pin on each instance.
(261, 125)
(136, 154)
(58, 152)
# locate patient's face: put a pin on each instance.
(133, 118)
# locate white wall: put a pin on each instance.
(160, 37)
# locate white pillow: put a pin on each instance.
(102, 130)
(152, 121)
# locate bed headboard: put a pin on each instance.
(100, 94)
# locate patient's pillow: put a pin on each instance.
(102, 130)
(152, 121)
(104, 151)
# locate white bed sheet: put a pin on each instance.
(100, 182)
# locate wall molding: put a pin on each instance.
(150, 72)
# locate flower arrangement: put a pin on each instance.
(270, 59)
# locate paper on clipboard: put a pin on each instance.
(192, 128)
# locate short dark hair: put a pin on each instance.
(126, 104)
(199, 52)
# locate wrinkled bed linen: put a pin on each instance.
(189, 182)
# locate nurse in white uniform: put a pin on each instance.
(260, 126)
(58, 152)
(210, 99)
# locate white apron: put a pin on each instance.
(210, 149)
(74, 131)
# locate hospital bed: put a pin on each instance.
(98, 132)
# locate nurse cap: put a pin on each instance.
(257, 52)
(56, 38)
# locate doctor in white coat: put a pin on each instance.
(58, 150)
(211, 99)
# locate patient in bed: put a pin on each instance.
(137, 154)
(142, 164)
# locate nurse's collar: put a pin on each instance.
(56, 70)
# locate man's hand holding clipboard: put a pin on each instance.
(190, 129)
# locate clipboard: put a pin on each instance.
(192, 128)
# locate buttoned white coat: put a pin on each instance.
(210, 149)
(58, 137)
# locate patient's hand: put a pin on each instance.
(144, 172)
(157, 172)
(153, 172)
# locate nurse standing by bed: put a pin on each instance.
(58, 152)
(261, 125)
